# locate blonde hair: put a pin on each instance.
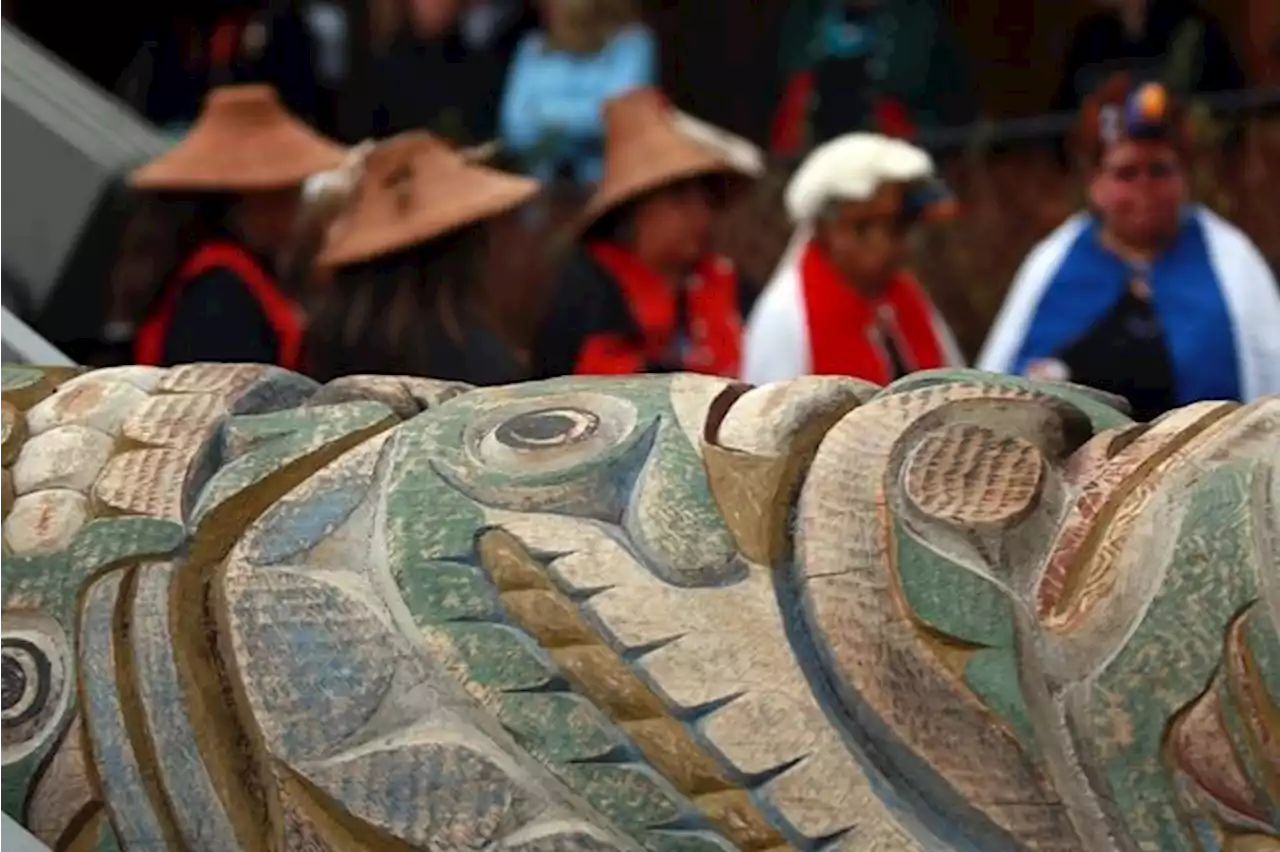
(585, 26)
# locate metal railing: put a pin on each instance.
(1050, 126)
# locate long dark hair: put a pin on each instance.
(380, 316)
(190, 220)
(165, 230)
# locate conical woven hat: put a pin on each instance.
(415, 187)
(244, 140)
(650, 144)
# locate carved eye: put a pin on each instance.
(541, 435)
(547, 427)
(25, 676)
(32, 683)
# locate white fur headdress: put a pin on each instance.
(852, 168)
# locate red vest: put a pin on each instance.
(839, 319)
(714, 320)
(281, 313)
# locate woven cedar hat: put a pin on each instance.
(650, 144)
(415, 187)
(244, 140)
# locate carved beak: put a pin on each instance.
(758, 444)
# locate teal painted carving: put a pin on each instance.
(671, 613)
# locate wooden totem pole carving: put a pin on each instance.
(245, 612)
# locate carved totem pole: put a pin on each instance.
(669, 613)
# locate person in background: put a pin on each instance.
(1145, 295)
(497, 27)
(841, 302)
(405, 264)
(587, 52)
(239, 169)
(327, 22)
(642, 291)
(331, 35)
(1173, 41)
(890, 66)
(223, 42)
(430, 79)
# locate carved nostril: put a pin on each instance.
(969, 475)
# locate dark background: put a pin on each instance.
(718, 56)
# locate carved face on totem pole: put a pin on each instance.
(667, 613)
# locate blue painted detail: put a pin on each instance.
(293, 527)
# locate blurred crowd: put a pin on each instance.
(287, 241)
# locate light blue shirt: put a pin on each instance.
(552, 107)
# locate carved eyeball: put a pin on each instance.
(547, 434)
(33, 690)
(25, 676)
(546, 428)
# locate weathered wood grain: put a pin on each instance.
(243, 611)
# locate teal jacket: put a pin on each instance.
(918, 58)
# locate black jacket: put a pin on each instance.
(217, 319)
(1101, 47)
(439, 85)
(177, 83)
